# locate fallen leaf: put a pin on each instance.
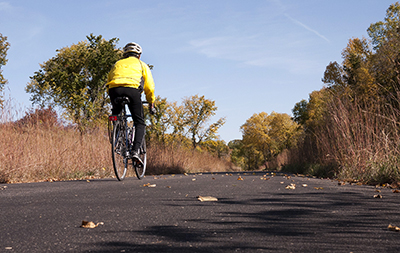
(304, 185)
(240, 178)
(149, 185)
(206, 198)
(396, 191)
(393, 228)
(193, 179)
(90, 224)
(318, 188)
(378, 196)
(291, 187)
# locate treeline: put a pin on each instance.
(351, 127)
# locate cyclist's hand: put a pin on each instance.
(152, 109)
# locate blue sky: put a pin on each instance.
(248, 56)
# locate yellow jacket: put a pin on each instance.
(132, 72)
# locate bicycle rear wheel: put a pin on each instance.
(140, 169)
(118, 149)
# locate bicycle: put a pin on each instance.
(121, 138)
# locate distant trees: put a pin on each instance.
(186, 123)
(352, 124)
(264, 137)
(75, 80)
(197, 111)
(4, 46)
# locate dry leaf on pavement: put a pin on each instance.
(207, 198)
(149, 185)
(378, 196)
(393, 228)
(90, 224)
(291, 187)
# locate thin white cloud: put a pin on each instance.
(306, 27)
(258, 51)
(5, 6)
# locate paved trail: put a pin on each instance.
(251, 215)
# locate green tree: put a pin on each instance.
(75, 80)
(300, 112)
(333, 75)
(197, 111)
(237, 153)
(4, 46)
(384, 31)
(385, 37)
(162, 121)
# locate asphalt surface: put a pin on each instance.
(255, 214)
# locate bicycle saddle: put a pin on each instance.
(122, 100)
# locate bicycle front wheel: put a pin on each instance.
(119, 150)
(140, 169)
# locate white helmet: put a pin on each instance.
(132, 47)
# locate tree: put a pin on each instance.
(4, 46)
(300, 112)
(283, 133)
(357, 68)
(237, 153)
(216, 147)
(197, 112)
(385, 37)
(333, 75)
(383, 31)
(162, 121)
(265, 136)
(75, 80)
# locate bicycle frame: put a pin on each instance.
(123, 117)
(121, 140)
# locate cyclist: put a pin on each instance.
(130, 77)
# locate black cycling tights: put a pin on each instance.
(135, 107)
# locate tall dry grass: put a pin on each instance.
(172, 158)
(33, 150)
(363, 139)
(357, 141)
(35, 153)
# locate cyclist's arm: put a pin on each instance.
(148, 84)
